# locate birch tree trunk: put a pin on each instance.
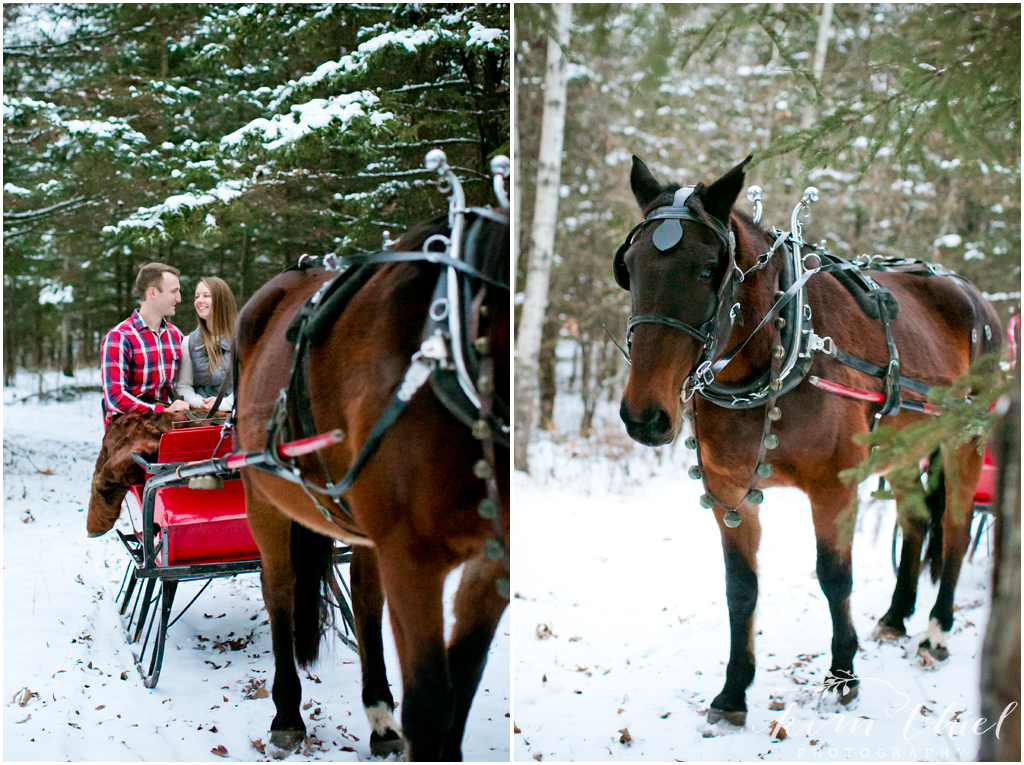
(542, 240)
(824, 29)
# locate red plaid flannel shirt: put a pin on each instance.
(138, 362)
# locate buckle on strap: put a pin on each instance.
(703, 374)
(823, 344)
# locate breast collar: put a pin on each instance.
(714, 331)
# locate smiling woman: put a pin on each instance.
(206, 352)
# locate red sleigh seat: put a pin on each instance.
(197, 525)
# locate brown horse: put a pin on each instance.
(699, 293)
(412, 512)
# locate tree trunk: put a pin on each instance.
(546, 361)
(1000, 657)
(11, 343)
(824, 29)
(588, 385)
(243, 267)
(67, 348)
(517, 188)
(542, 241)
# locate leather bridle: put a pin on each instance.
(716, 327)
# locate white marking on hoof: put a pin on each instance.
(935, 635)
(382, 719)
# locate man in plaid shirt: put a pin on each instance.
(140, 356)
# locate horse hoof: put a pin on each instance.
(387, 744)
(938, 652)
(848, 694)
(285, 742)
(885, 631)
(737, 718)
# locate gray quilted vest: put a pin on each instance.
(205, 384)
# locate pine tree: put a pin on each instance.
(118, 123)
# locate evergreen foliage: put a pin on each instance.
(914, 145)
(227, 139)
(966, 418)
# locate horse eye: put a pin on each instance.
(707, 273)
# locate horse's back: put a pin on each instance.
(932, 328)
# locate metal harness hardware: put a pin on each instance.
(444, 348)
(794, 341)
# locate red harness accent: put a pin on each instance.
(863, 395)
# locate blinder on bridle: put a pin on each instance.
(666, 236)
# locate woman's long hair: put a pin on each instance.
(223, 311)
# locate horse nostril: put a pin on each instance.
(650, 426)
(661, 422)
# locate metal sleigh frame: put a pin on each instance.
(148, 589)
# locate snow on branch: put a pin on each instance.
(113, 128)
(67, 204)
(152, 218)
(283, 129)
(475, 37)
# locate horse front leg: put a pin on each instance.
(478, 609)
(272, 532)
(962, 468)
(413, 582)
(835, 577)
(368, 607)
(739, 546)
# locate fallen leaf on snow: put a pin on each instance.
(26, 696)
(777, 731)
(544, 632)
(259, 746)
(625, 738)
(220, 750)
(537, 756)
(776, 704)
(515, 728)
(254, 689)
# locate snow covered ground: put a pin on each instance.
(621, 628)
(70, 686)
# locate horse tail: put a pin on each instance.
(935, 501)
(313, 561)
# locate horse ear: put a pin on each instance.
(721, 195)
(645, 188)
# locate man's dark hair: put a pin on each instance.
(151, 275)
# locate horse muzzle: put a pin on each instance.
(652, 426)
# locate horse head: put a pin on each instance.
(115, 471)
(679, 267)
